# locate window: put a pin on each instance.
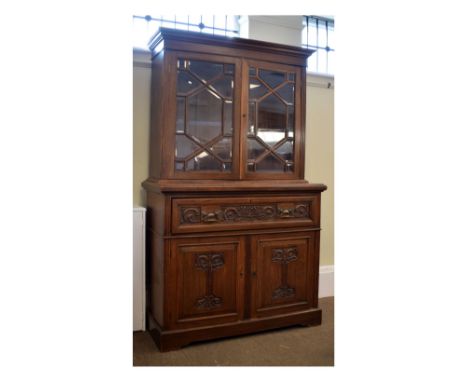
(145, 27)
(318, 34)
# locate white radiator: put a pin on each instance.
(139, 228)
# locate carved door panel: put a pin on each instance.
(284, 273)
(209, 286)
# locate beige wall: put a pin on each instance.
(319, 135)
(319, 158)
(141, 123)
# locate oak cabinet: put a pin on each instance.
(233, 227)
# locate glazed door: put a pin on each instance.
(284, 273)
(274, 122)
(206, 129)
(209, 280)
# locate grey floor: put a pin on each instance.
(294, 346)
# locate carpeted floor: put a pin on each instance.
(293, 346)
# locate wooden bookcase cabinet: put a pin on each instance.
(233, 227)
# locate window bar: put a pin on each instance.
(162, 20)
(225, 26)
(213, 23)
(188, 23)
(175, 21)
(317, 42)
(307, 37)
(326, 37)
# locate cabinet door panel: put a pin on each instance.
(284, 273)
(207, 111)
(209, 280)
(274, 125)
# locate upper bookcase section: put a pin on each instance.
(173, 39)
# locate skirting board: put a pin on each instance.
(326, 281)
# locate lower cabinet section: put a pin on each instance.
(221, 280)
(223, 286)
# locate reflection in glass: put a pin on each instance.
(256, 89)
(222, 148)
(254, 148)
(290, 167)
(227, 118)
(229, 69)
(224, 86)
(204, 116)
(286, 92)
(184, 146)
(285, 151)
(273, 79)
(271, 120)
(270, 132)
(205, 70)
(186, 83)
(252, 117)
(204, 120)
(270, 164)
(290, 121)
(180, 115)
(204, 162)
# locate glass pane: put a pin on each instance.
(254, 148)
(227, 118)
(204, 120)
(290, 121)
(204, 162)
(291, 77)
(180, 115)
(223, 148)
(273, 79)
(285, 151)
(204, 116)
(251, 166)
(186, 83)
(252, 71)
(290, 167)
(229, 69)
(271, 120)
(205, 70)
(224, 87)
(270, 164)
(251, 130)
(256, 89)
(286, 92)
(179, 166)
(180, 64)
(184, 147)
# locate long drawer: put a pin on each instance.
(239, 213)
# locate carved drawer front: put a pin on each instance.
(209, 280)
(219, 214)
(284, 273)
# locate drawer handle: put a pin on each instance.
(285, 212)
(210, 217)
